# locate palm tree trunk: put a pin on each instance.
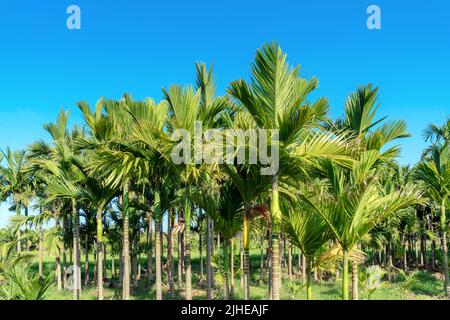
(232, 268)
(134, 265)
(41, 247)
(208, 259)
(241, 262)
(303, 268)
(150, 249)
(246, 245)
(270, 263)
(19, 246)
(86, 262)
(170, 269)
(121, 268)
(345, 276)
(126, 244)
(276, 273)
(261, 259)
(158, 259)
(187, 251)
(423, 251)
(113, 269)
(200, 250)
(64, 266)
(180, 255)
(307, 263)
(433, 255)
(58, 274)
(276, 219)
(76, 253)
(290, 261)
(444, 247)
(226, 260)
(355, 291)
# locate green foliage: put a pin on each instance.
(19, 283)
(370, 279)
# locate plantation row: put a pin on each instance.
(337, 203)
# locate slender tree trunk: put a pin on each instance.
(276, 219)
(304, 268)
(345, 276)
(126, 244)
(290, 261)
(158, 259)
(121, 268)
(180, 255)
(241, 258)
(355, 290)
(64, 265)
(307, 267)
(41, 249)
(133, 265)
(444, 247)
(76, 253)
(423, 251)
(19, 245)
(170, 269)
(58, 274)
(226, 257)
(86, 262)
(276, 267)
(261, 259)
(187, 251)
(150, 249)
(232, 268)
(105, 263)
(113, 269)
(200, 250)
(208, 259)
(246, 245)
(433, 255)
(270, 263)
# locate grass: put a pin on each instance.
(424, 286)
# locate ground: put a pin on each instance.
(424, 286)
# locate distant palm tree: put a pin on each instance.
(434, 171)
(15, 185)
(308, 231)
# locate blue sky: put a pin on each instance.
(142, 46)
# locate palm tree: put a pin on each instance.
(276, 99)
(189, 106)
(53, 243)
(308, 231)
(14, 183)
(434, 172)
(61, 167)
(226, 211)
(356, 204)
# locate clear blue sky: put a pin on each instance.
(141, 46)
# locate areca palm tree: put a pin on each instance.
(307, 230)
(53, 244)
(357, 204)
(276, 99)
(188, 107)
(434, 171)
(61, 168)
(226, 211)
(14, 183)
